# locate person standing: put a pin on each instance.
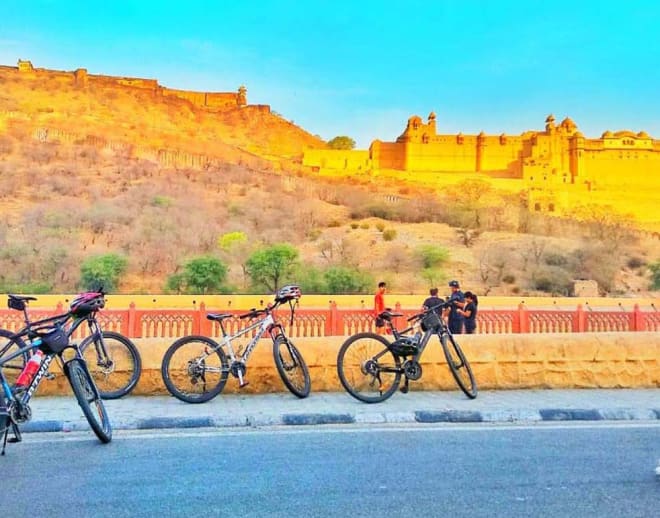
(455, 320)
(379, 307)
(433, 301)
(469, 312)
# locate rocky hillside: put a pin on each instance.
(159, 181)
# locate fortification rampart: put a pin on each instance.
(82, 79)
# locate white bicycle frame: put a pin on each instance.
(264, 325)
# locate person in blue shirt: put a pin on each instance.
(455, 320)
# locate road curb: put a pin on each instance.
(331, 418)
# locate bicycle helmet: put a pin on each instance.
(86, 303)
(289, 292)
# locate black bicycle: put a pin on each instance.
(370, 367)
(195, 368)
(113, 362)
(53, 341)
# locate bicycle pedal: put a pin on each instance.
(404, 390)
(244, 384)
(14, 439)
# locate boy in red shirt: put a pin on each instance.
(379, 307)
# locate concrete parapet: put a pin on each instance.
(552, 361)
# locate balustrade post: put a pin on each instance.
(638, 319)
(132, 327)
(580, 320)
(200, 320)
(331, 321)
(397, 309)
(523, 320)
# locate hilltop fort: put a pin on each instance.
(558, 166)
(80, 77)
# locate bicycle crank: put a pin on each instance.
(412, 370)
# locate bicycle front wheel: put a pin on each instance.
(195, 369)
(367, 368)
(292, 367)
(10, 344)
(459, 366)
(113, 362)
(89, 399)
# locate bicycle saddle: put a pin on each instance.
(388, 315)
(218, 316)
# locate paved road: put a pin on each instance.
(518, 406)
(477, 470)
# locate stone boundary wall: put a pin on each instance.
(550, 361)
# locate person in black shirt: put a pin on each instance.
(454, 318)
(469, 312)
(433, 301)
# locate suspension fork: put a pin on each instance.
(97, 339)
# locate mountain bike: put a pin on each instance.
(53, 341)
(195, 368)
(114, 361)
(370, 367)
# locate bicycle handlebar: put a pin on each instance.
(444, 305)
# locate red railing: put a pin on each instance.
(173, 323)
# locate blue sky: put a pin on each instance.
(361, 68)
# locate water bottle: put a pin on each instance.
(30, 369)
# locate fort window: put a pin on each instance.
(551, 207)
(537, 207)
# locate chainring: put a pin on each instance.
(412, 370)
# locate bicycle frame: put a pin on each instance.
(266, 324)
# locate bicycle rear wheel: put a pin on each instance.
(367, 368)
(195, 369)
(89, 399)
(459, 366)
(113, 362)
(292, 367)
(10, 344)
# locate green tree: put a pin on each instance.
(231, 240)
(341, 142)
(236, 248)
(268, 267)
(432, 256)
(655, 275)
(311, 280)
(342, 280)
(102, 271)
(202, 275)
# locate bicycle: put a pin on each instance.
(195, 368)
(54, 341)
(111, 350)
(370, 367)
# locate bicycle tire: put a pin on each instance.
(102, 361)
(292, 367)
(460, 370)
(9, 343)
(86, 393)
(177, 370)
(359, 366)
(4, 416)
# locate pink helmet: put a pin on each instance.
(86, 303)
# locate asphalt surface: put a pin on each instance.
(57, 414)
